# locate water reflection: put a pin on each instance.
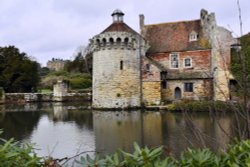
(61, 129)
(114, 130)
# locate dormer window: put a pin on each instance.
(193, 36)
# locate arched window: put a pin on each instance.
(104, 41)
(118, 40)
(98, 42)
(111, 41)
(126, 41)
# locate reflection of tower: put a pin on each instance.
(60, 112)
(114, 130)
(152, 129)
(116, 65)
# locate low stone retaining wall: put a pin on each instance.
(45, 97)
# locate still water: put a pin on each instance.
(61, 130)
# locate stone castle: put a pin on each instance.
(165, 62)
(56, 64)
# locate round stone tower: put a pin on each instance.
(117, 54)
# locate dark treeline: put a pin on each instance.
(18, 73)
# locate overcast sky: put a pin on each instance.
(55, 28)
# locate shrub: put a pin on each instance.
(19, 155)
(236, 155)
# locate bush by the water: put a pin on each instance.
(237, 155)
(12, 154)
(202, 106)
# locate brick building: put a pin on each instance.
(186, 60)
(179, 60)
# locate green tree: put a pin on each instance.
(18, 73)
(237, 63)
(77, 65)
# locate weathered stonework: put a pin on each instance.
(151, 93)
(56, 64)
(202, 90)
(185, 60)
(60, 90)
(116, 67)
(221, 40)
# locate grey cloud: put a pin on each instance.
(55, 28)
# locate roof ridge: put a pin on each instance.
(174, 22)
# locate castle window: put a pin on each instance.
(104, 41)
(118, 40)
(121, 65)
(193, 36)
(147, 67)
(111, 41)
(164, 84)
(174, 60)
(126, 41)
(98, 42)
(188, 87)
(187, 62)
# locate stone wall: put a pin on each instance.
(28, 97)
(151, 93)
(221, 40)
(44, 97)
(202, 90)
(116, 70)
(113, 87)
(60, 90)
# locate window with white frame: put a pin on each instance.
(174, 57)
(187, 62)
(193, 36)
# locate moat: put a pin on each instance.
(61, 130)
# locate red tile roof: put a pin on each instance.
(119, 27)
(174, 37)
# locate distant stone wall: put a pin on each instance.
(28, 97)
(151, 93)
(42, 97)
